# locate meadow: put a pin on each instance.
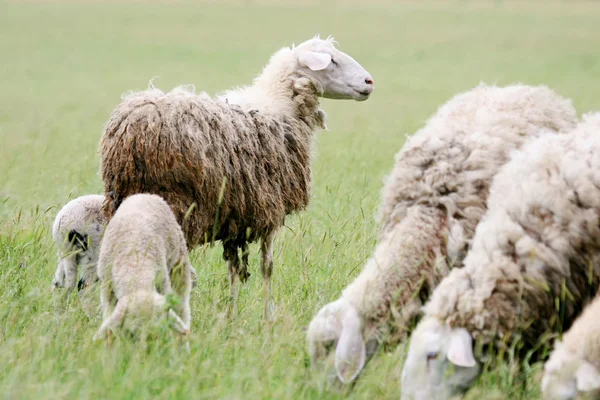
(63, 67)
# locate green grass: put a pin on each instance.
(63, 67)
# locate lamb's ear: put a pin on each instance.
(350, 353)
(587, 377)
(314, 61)
(460, 352)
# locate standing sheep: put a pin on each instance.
(574, 364)
(77, 233)
(534, 263)
(143, 259)
(431, 205)
(231, 168)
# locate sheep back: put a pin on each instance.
(538, 243)
(452, 159)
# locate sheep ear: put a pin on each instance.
(314, 61)
(587, 377)
(350, 353)
(460, 352)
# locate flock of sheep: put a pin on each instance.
(489, 233)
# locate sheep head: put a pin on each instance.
(338, 326)
(335, 74)
(440, 362)
(566, 374)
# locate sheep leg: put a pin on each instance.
(244, 274)
(266, 267)
(108, 300)
(59, 275)
(233, 263)
(181, 281)
(70, 271)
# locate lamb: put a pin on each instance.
(533, 265)
(143, 259)
(77, 233)
(573, 365)
(233, 167)
(431, 205)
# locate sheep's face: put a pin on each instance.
(439, 363)
(335, 74)
(566, 374)
(336, 344)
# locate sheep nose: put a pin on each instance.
(369, 80)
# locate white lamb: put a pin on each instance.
(574, 366)
(77, 233)
(143, 259)
(534, 263)
(432, 203)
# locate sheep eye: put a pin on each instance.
(333, 61)
(432, 356)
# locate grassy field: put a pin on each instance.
(63, 67)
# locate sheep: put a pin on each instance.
(573, 365)
(233, 167)
(77, 233)
(533, 264)
(143, 259)
(431, 205)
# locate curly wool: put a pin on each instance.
(540, 236)
(437, 193)
(243, 170)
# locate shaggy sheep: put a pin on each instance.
(143, 259)
(231, 168)
(574, 364)
(533, 264)
(431, 205)
(77, 233)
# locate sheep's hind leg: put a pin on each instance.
(266, 267)
(233, 263)
(244, 274)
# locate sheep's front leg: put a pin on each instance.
(59, 276)
(66, 273)
(266, 267)
(233, 263)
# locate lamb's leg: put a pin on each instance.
(70, 270)
(181, 282)
(230, 254)
(108, 300)
(266, 266)
(59, 276)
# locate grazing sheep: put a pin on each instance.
(533, 265)
(77, 233)
(233, 167)
(143, 259)
(574, 364)
(431, 205)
